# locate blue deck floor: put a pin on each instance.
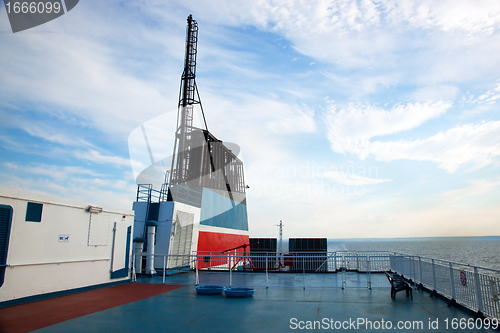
(271, 309)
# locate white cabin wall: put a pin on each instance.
(38, 262)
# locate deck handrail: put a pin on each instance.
(55, 262)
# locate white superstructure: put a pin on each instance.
(50, 244)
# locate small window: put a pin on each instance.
(34, 212)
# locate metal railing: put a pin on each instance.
(146, 193)
(301, 263)
(473, 287)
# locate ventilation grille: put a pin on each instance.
(182, 238)
(5, 221)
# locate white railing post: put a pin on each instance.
(412, 268)
(479, 297)
(369, 274)
(344, 268)
(304, 272)
(335, 261)
(164, 268)
(494, 295)
(406, 264)
(197, 274)
(267, 273)
(452, 280)
(133, 267)
(420, 269)
(230, 272)
(357, 261)
(434, 285)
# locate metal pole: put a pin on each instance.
(335, 261)
(230, 272)
(434, 276)
(369, 274)
(304, 272)
(479, 297)
(343, 272)
(113, 246)
(164, 267)
(267, 274)
(150, 263)
(452, 280)
(494, 293)
(280, 252)
(420, 268)
(133, 268)
(412, 268)
(197, 276)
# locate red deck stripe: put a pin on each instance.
(35, 315)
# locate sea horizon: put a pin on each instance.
(415, 238)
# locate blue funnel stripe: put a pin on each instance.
(220, 211)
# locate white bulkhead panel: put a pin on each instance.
(66, 247)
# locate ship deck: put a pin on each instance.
(177, 307)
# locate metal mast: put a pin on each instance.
(187, 100)
(280, 249)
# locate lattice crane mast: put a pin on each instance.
(188, 97)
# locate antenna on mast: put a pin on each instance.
(187, 100)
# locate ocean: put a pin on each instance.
(476, 251)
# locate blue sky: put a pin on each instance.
(354, 118)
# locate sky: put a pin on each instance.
(355, 119)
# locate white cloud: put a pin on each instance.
(353, 129)
(95, 191)
(477, 143)
(350, 129)
(83, 77)
(351, 178)
(71, 181)
(435, 93)
(290, 119)
(52, 135)
(471, 16)
(52, 171)
(489, 97)
(477, 188)
(96, 157)
(391, 42)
